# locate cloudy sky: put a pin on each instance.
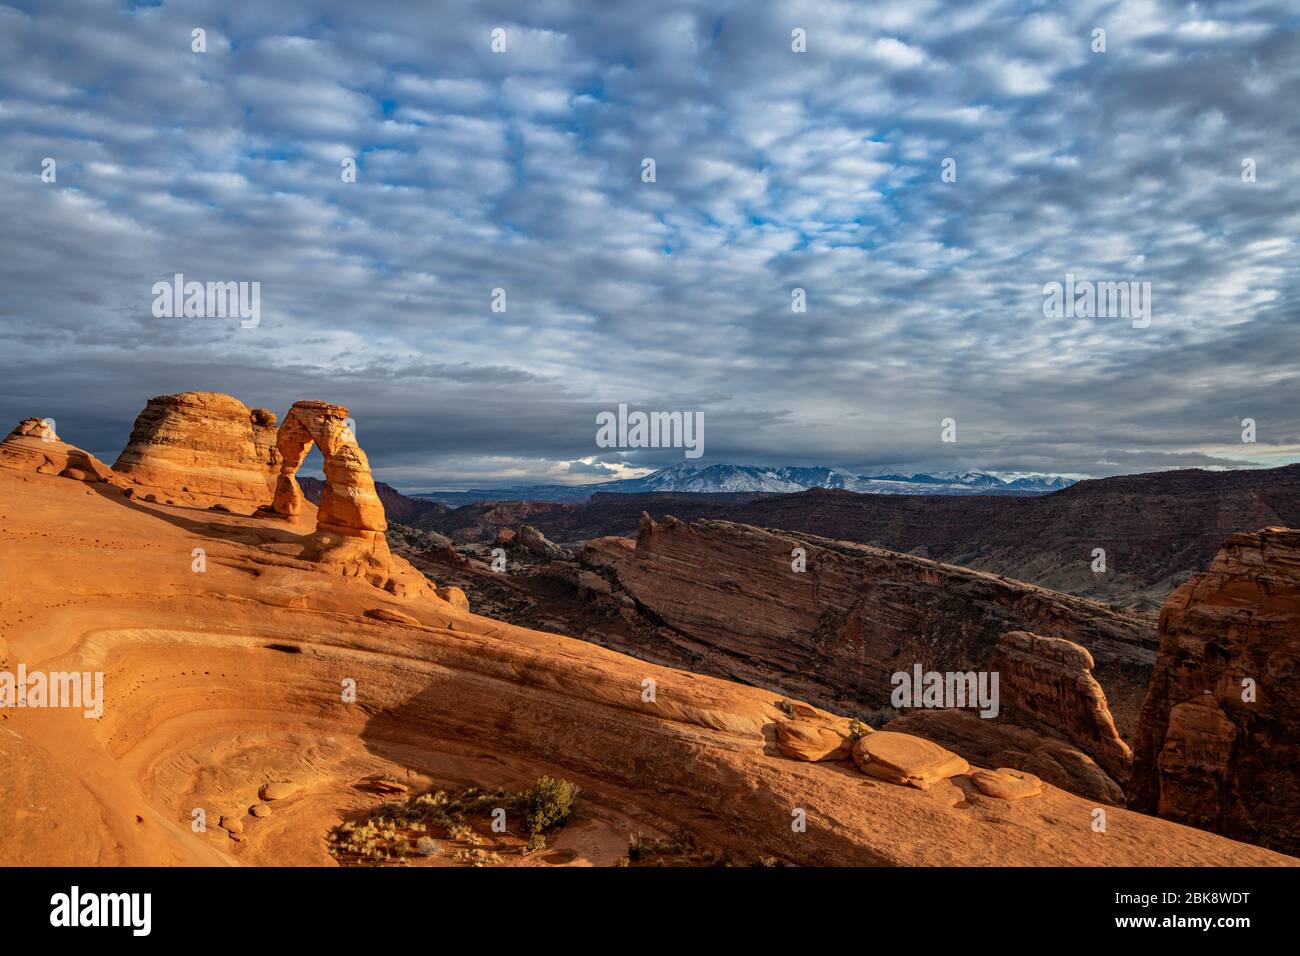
(774, 170)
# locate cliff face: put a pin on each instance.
(1218, 745)
(203, 449)
(836, 631)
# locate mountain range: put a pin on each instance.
(725, 478)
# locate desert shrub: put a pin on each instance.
(427, 846)
(857, 729)
(548, 804)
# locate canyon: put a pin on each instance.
(316, 650)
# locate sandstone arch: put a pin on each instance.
(350, 520)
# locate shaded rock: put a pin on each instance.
(533, 541)
(1046, 683)
(232, 824)
(841, 628)
(1218, 746)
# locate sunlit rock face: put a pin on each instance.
(202, 449)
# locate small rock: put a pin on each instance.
(906, 760)
(232, 824)
(1007, 784)
(279, 791)
(260, 810)
(816, 739)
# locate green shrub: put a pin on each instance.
(548, 804)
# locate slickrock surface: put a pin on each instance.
(219, 682)
(835, 633)
(202, 448)
(1205, 753)
(33, 446)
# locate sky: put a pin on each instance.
(774, 170)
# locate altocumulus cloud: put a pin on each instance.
(775, 170)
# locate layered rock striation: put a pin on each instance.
(33, 446)
(202, 449)
(831, 622)
(1218, 745)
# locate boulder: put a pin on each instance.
(454, 596)
(1006, 783)
(534, 542)
(906, 760)
(999, 743)
(279, 791)
(813, 739)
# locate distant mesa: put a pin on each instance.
(201, 449)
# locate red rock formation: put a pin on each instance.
(1047, 682)
(1053, 720)
(350, 520)
(1000, 743)
(1218, 745)
(202, 448)
(836, 632)
(224, 682)
(33, 446)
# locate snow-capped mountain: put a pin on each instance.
(688, 478)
